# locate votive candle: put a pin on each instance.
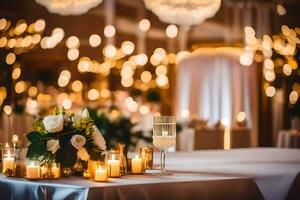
(114, 167)
(101, 174)
(55, 170)
(33, 171)
(136, 165)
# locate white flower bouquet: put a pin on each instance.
(65, 138)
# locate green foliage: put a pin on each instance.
(66, 154)
(39, 126)
(117, 130)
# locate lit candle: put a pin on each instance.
(136, 165)
(164, 133)
(15, 139)
(101, 174)
(44, 170)
(55, 170)
(8, 161)
(114, 167)
(33, 171)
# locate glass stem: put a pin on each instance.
(163, 161)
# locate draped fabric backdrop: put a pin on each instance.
(212, 84)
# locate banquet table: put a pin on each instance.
(258, 173)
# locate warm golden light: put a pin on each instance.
(127, 82)
(104, 93)
(141, 59)
(72, 42)
(109, 51)
(159, 54)
(73, 54)
(270, 91)
(293, 97)
(127, 47)
(127, 72)
(95, 40)
(109, 31)
(77, 86)
(20, 87)
(162, 80)
(144, 25)
(7, 109)
(144, 110)
(20, 27)
(268, 64)
(171, 31)
(10, 58)
(93, 94)
(67, 103)
(241, 116)
(39, 25)
(270, 76)
(32, 91)
(246, 58)
(280, 10)
(3, 23)
(16, 73)
(146, 76)
(161, 70)
(3, 42)
(287, 69)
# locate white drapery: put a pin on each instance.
(212, 84)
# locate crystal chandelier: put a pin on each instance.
(69, 7)
(183, 12)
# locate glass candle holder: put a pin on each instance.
(101, 174)
(33, 170)
(136, 165)
(55, 170)
(147, 157)
(92, 165)
(19, 169)
(113, 164)
(8, 159)
(45, 169)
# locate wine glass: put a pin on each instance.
(164, 137)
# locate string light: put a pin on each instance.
(161, 70)
(39, 25)
(127, 47)
(7, 109)
(280, 10)
(73, 54)
(287, 69)
(109, 51)
(93, 94)
(293, 97)
(144, 25)
(109, 31)
(95, 40)
(241, 116)
(171, 31)
(146, 76)
(72, 42)
(270, 91)
(32, 91)
(77, 86)
(20, 87)
(16, 73)
(10, 58)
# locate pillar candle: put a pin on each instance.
(136, 165)
(8, 163)
(101, 174)
(44, 170)
(114, 168)
(33, 171)
(55, 171)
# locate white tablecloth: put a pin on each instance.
(235, 174)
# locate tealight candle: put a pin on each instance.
(136, 165)
(55, 170)
(113, 167)
(101, 174)
(33, 170)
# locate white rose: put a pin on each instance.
(83, 154)
(98, 138)
(53, 145)
(85, 113)
(78, 141)
(54, 123)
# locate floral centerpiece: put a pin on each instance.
(65, 138)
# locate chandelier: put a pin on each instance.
(69, 7)
(183, 12)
